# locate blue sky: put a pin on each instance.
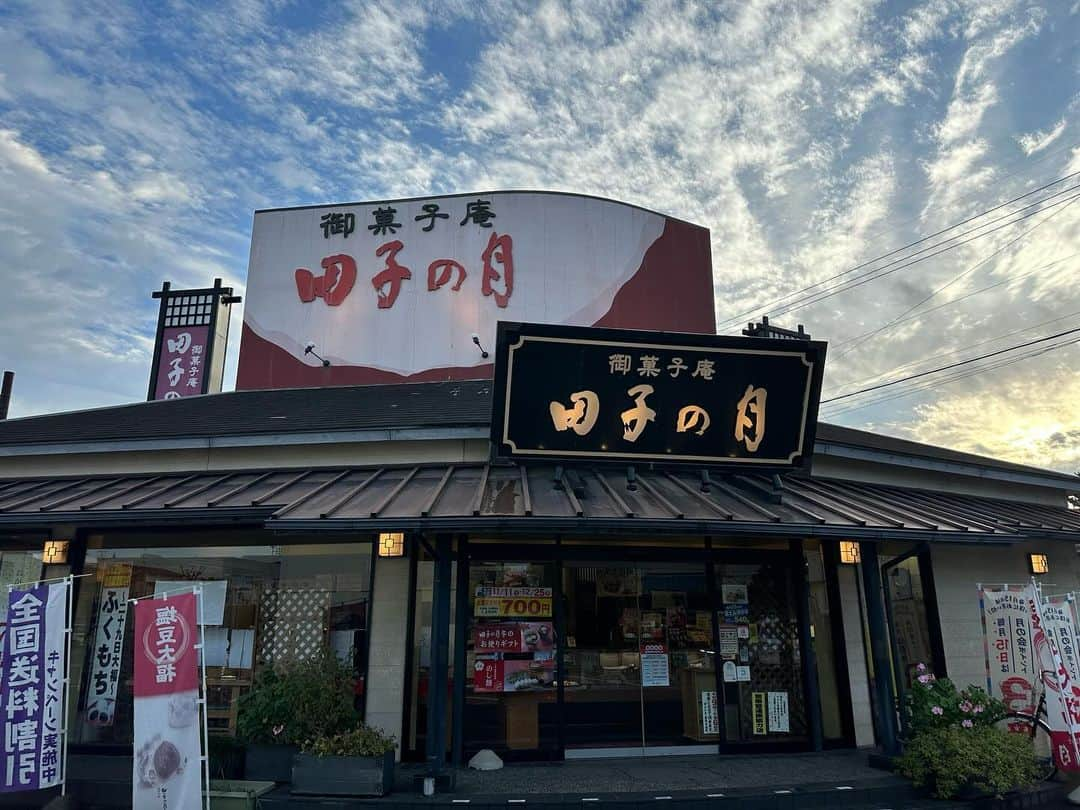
(136, 139)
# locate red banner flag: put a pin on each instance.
(168, 773)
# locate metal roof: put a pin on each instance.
(528, 498)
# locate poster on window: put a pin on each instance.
(710, 720)
(1010, 668)
(734, 593)
(106, 657)
(654, 665)
(779, 713)
(511, 602)
(1062, 692)
(32, 695)
(514, 637)
(759, 709)
(168, 750)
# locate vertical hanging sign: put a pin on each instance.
(33, 686)
(108, 647)
(168, 752)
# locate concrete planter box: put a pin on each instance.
(269, 762)
(343, 776)
(235, 794)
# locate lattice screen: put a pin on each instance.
(292, 624)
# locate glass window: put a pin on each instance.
(510, 702)
(420, 662)
(262, 605)
(821, 628)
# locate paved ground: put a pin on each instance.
(636, 775)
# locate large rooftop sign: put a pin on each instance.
(631, 396)
(394, 291)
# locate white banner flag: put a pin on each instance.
(1062, 692)
(168, 750)
(1011, 670)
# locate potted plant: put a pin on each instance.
(358, 762)
(290, 703)
(955, 749)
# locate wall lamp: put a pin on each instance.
(1039, 564)
(391, 544)
(55, 552)
(849, 552)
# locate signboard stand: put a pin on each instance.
(201, 701)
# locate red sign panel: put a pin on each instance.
(393, 291)
(514, 637)
(182, 365)
(165, 636)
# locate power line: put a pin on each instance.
(741, 316)
(869, 276)
(928, 385)
(966, 296)
(863, 339)
(950, 366)
(965, 348)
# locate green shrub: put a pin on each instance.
(302, 700)
(363, 741)
(952, 759)
(953, 744)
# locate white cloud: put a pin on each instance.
(1032, 142)
(807, 135)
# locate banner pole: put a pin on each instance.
(205, 753)
(986, 638)
(69, 582)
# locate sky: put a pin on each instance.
(810, 137)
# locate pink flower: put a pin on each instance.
(926, 678)
(921, 668)
(938, 711)
(966, 724)
(978, 709)
(966, 706)
(278, 729)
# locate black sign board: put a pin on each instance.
(564, 392)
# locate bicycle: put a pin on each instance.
(1038, 730)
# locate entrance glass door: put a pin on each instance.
(759, 653)
(638, 658)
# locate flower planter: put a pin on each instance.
(343, 776)
(269, 762)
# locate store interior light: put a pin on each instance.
(1039, 564)
(55, 552)
(391, 544)
(849, 552)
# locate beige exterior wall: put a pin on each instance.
(386, 655)
(903, 476)
(957, 572)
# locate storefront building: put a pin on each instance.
(545, 607)
(693, 612)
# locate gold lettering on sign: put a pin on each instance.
(635, 419)
(750, 418)
(690, 417)
(619, 363)
(581, 417)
